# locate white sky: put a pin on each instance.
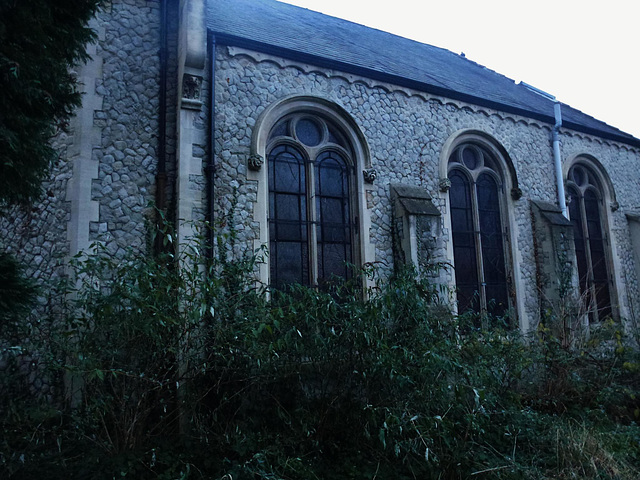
(585, 52)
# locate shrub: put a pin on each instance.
(171, 373)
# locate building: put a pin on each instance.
(329, 142)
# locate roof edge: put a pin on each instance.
(233, 40)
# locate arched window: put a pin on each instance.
(312, 228)
(586, 214)
(478, 230)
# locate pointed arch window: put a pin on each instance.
(312, 229)
(586, 213)
(478, 231)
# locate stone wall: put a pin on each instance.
(102, 185)
(37, 234)
(406, 133)
(127, 154)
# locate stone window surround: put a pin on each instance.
(364, 250)
(509, 182)
(609, 204)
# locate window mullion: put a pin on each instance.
(591, 301)
(312, 224)
(478, 241)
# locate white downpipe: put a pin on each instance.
(557, 160)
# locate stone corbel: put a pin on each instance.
(516, 193)
(444, 184)
(255, 162)
(370, 175)
(191, 91)
(615, 206)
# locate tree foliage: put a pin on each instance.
(17, 293)
(169, 374)
(40, 42)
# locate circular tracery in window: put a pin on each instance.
(311, 131)
(583, 178)
(473, 157)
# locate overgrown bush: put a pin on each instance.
(183, 368)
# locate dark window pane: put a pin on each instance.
(493, 263)
(468, 298)
(464, 247)
(578, 235)
(332, 210)
(287, 217)
(592, 211)
(333, 217)
(497, 300)
(491, 229)
(599, 270)
(309, 132)
(461, 221)
(491, 239)
(465, 240)
(593, 271)
(289, 263)
(581, 259)
(579, 176)
(459, 194)
(599, 267)
(289, 174)
(487, 188)
(603, 300)
(288, 207)
(333, 260)
(460, 201)
(331, 176)
(290, 215)
(574, 212)
(334, 233)
(288, 231)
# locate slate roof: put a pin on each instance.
(311, 37)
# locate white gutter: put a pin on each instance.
(562, 202)
(555, 138)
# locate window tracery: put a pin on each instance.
(586, 212)
(311, 222)
(478, 230)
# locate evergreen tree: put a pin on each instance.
(40, 41)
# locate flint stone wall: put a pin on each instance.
(406, 131)
(126, 83)
(127, 156)
(127, 153)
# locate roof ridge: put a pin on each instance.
(368, 27)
